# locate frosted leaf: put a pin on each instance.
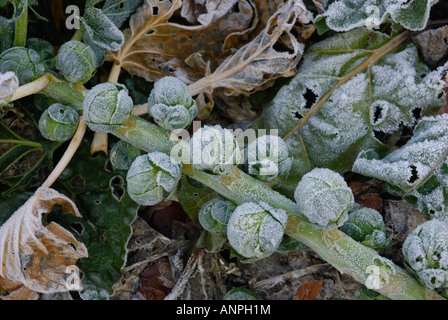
(214, 150)
(324, 198)
(345, 15)
(24, 62)
(240, 294)
(215, 214)
(425, 252)
(418, 171)
(267, 158)
(8, 85)
(377, 101)
(256, 230)
(122, 154)
(152, 178)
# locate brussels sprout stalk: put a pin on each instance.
(344, 253)
(21, 28)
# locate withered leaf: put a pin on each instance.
(163, 34)
(36, 254)
(309, 290)
(10, 290)
(273, 53)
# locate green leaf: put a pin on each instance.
(101, 30)
(418, 171)
(107, 214)
(119, 10)
(7, 32)
(345, 15)
(19, 7)
(353, 91)
(192, 196)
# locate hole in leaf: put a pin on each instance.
(150, 32)
(116, 186)
(236, 7)
(122, 5)
(280, 47)
(97, 202)
(155, 11)
(297, 115)
(77, 227)
(310, 98)
(414, 174)
(417, 113)
(77, 184)
(108, 166)
(377, 114)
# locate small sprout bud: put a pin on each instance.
(107, 106)
(366, 226)
(267, 158)
(76, 61)
(171, 105)
(215, 214)
(425, 253)
(256, 230)
(25, 63)
(324, 198)
(8, 85)
(214, 150)
(240, 294)
(152, 178)
(58, 122)
(123, 154)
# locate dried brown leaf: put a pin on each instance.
(309, 291)
(273, 53)
(10, 290)
(164, 34)
(37, 255)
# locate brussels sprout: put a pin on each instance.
(214, 150)
(425, 253)
(267, 158)
(215, 214)
(240, 294)
(76, 61)
(25, 63)
(256, 230)
(171, 105)
(8, 85)
(324, 198)
(123, 154)
(152, 178)
(366, 226)
(107, 106)
(7, 32)
(42, 47)
(58, 122)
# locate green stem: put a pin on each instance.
(79, 33)
(335, 247)
(22, 142)
(65, 93)
(21, 28)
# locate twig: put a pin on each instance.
(189, 268)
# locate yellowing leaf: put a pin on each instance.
(37, 255)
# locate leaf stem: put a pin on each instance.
(377, 54)
(32, 87)
(68, 155)
(21, 28)
(22, 142)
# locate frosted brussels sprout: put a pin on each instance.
(123, 154)
(76, 61)
(256, 230)
(58, 122)
(240, 294)
(152, 178)
(171, 105)
(267, 158)
(107, 106)
(425, 253)
(366, 226)
(324, 198)
(215, 214)
(24, 62)
(8, 85)
(214, 150)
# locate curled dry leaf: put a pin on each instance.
(35, 254)
(273, 53)
(10, 290)
(164, 34)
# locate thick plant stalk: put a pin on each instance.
(335, 247)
